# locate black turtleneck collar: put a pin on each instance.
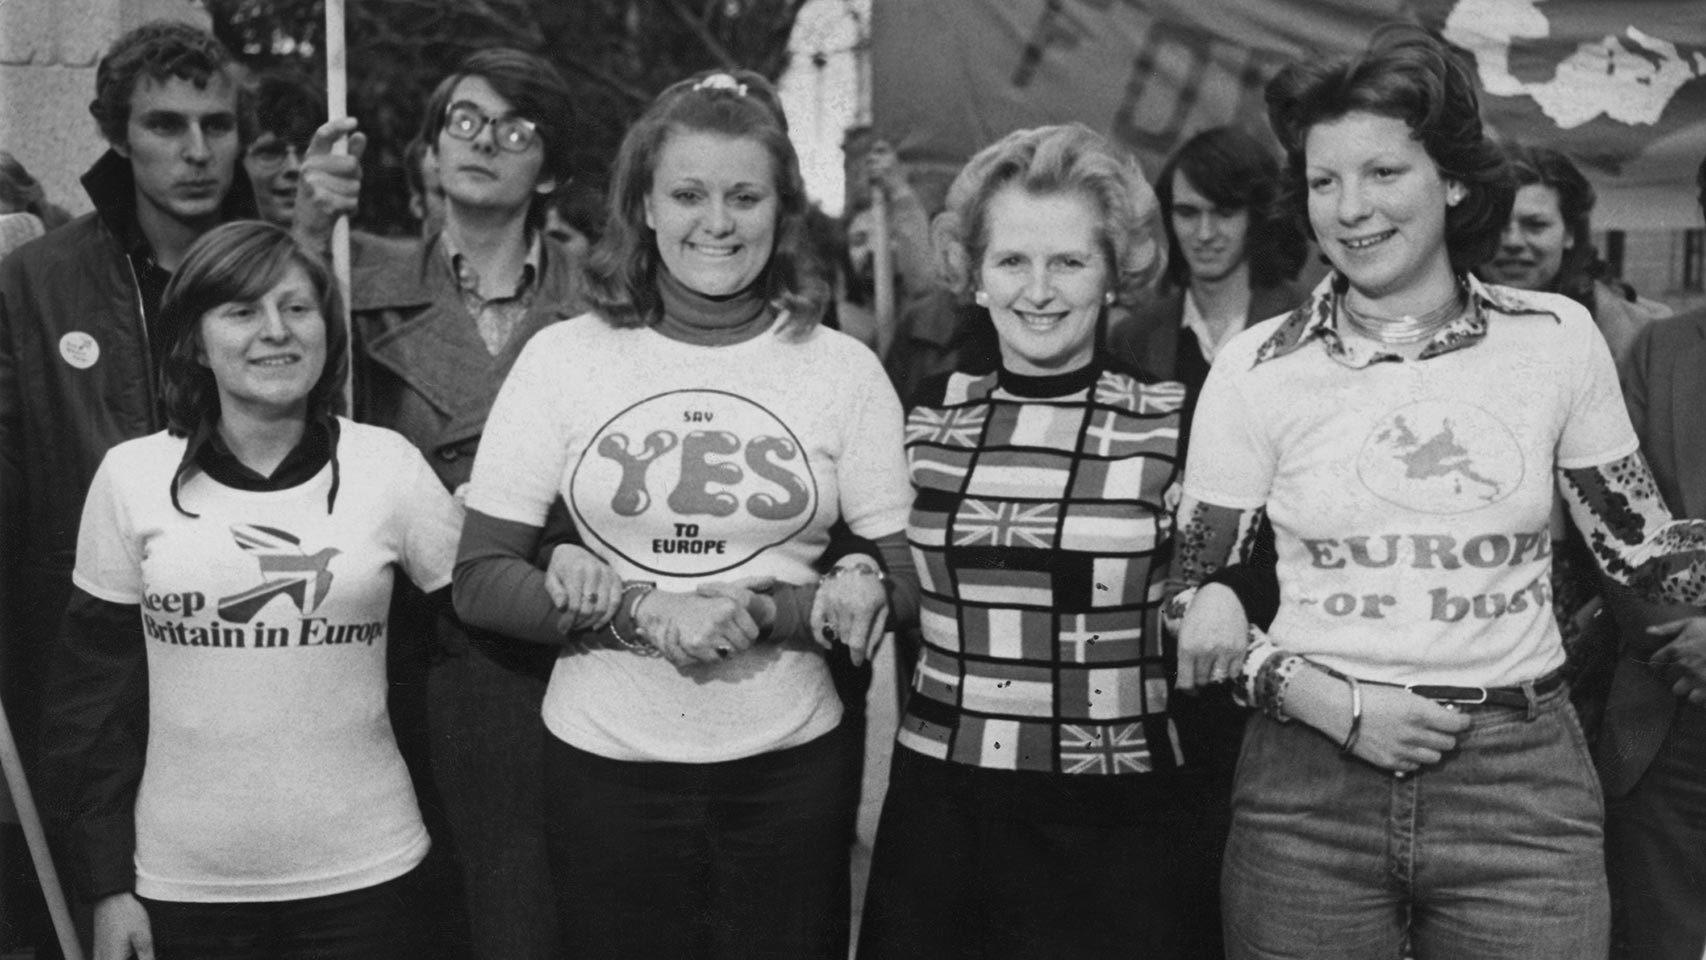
(1050, 386)
(299, 466)
(208, 452)
(693, 317)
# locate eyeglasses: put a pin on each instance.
(269, 153)
(464, 121)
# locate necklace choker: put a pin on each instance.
(1406, 329)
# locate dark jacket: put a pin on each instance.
(421, 367)
(75, 379)
(1150, 339)
(1665, 387)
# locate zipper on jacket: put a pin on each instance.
(151, 385)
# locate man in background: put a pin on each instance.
(287, 109)
(1651, 748)
(80, 335)
(438, 323)
(1231, 258)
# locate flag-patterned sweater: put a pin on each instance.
(1042, 532)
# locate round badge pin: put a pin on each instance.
(79, 349)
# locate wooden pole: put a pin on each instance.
(883, 269)
(36, 839)
(337, 100)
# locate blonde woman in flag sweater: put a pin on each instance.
(1039, 803)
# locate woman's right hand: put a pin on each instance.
(851, 606)
(1212, 637)
(121, 929)
(582, 587)
(1402, 732)
(689, 629)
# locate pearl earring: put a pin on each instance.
(1108, 298)
(980, 298)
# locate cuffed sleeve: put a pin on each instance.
(496, 585)
(94, 740)
(794, 602)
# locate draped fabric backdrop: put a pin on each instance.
(1621, 86)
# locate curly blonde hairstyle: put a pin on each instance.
(1066, 158)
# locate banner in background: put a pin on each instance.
(1620, 86)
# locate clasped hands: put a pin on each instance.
(716, 621)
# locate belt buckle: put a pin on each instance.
(1416, 688)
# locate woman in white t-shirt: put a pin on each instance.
(1415, 771)
(217, 738)
(706, 434)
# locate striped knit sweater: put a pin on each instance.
(1042, 533)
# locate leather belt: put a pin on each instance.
(1517, 696)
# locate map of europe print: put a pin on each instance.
(1440, 457)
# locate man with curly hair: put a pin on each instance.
(80, 335)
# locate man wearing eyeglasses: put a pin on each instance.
(438, 322)
(287, 109)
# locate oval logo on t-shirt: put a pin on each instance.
(693, 483)
(79, 349)
(1441, 457)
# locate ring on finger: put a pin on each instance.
(724, 651)
(829, 633)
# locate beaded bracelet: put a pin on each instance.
(1272, 682)
(640, 647)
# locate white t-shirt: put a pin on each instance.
(685, 464)
(1410, 500)
(271, 770)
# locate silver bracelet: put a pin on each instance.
(639, 646)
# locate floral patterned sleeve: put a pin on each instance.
(1633, 535)
(1209, 539)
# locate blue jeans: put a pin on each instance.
(1494, 853)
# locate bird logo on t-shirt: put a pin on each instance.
(285, 569)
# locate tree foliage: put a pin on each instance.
(615, 55)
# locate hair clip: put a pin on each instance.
(721, 81)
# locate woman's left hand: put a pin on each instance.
(690, 629)
(752, 593)
(582, 587)
(852, 607)
(1212, 638)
